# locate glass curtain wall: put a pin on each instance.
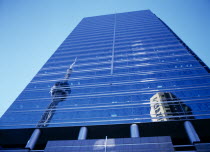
(122, 61)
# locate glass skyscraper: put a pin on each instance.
(114, 72)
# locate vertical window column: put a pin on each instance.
(113, 45)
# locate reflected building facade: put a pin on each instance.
(165, 107)
(128, 70)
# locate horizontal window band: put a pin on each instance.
(87, 123)
(129, 92)
(121, 74)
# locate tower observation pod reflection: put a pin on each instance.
(59, 93)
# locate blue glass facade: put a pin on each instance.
(123, 60)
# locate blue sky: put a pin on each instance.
(30, 31)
